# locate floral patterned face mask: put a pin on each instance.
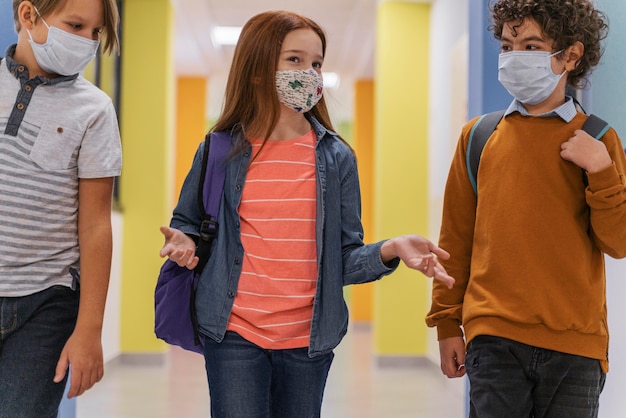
(299, 90)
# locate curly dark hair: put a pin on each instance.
(563, 21)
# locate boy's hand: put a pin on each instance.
(83, 352)
(179, 248)
(452, 353)
(586, 152)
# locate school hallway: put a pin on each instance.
(356, 388)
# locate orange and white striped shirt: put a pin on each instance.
(274, 303)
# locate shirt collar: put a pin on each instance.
(320, 130)
(20, 71)
(566, 111)
(12, 65)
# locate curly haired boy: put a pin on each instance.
(526, 319)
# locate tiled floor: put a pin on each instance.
(356, 388)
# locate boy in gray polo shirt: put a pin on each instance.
(59, 153)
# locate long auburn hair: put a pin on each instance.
(251, 101)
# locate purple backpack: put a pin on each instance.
(174, 297)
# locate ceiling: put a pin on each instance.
(349, 27)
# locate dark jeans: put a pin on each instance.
(510, 379)
(247, 381)
(33, 331)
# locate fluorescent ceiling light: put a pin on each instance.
(226, 35)
(331, 80)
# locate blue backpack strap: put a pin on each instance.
(210, 191)
(480, 133)
(484, 127)
(595, 126)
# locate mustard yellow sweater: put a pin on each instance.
(528, 250)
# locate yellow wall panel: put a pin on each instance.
(147, 114)
(401, 169)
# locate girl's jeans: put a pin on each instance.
(33, 331)
(510, 379)
(247, 381)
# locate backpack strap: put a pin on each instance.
(215, 171)
(484, 127)
(480, 133)
(595, 126)
(210, 191)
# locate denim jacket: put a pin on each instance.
(342, 257)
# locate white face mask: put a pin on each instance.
(63, 53)
(527, 75)
(299, 90)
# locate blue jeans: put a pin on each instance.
(247, 381)
(33, 331)
(510, 379)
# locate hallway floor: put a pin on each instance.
(356, 388)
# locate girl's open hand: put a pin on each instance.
(179, 248)
(420, 254)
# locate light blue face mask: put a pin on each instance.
(527, 75)
(63, 53)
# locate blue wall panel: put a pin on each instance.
(608, 81)
(485, 94)
(7, 29)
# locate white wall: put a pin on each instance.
(112, 315)
(448, 101)
(612, 400)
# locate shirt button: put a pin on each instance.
(20, 106)
(28, 88)
(59, 130)
(20, 68)
(238, 187)
(231, 294)
(237, 261)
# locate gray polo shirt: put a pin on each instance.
(52, 132)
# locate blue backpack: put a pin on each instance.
(175, 319)
(484, 127)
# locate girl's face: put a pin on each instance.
(301, 50)
(79, 17)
